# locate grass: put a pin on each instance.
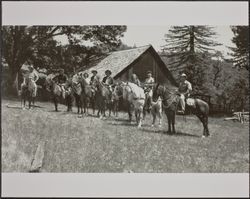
(89, 144)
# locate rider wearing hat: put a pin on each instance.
(32, 75)
(94, 72)
(86, 77)
(148, 88)
(61, 79)
(185, 88)
(108, 80)
(135, 79)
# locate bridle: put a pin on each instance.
(164, 100)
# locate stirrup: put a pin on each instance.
(181, 112)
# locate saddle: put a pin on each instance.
(190, 102)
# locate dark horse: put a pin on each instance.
(170, 100)
(56, 92)
(103, 97)
(84, 95)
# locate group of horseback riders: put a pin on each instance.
(149, 88)
(61, 78)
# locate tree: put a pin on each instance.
(241, 51)
(189, 48)
(37, 44)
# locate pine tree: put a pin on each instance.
(189, 48)
(241, 51)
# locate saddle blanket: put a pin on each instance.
(190, 102)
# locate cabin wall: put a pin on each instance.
(145, 63)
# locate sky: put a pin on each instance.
(154, 35)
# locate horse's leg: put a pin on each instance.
(23, 101)
(206, 125)
(160, 117)
(130, 113)
(202, 119)
(154, 117)
(144, 113)
(30, 100)
(56, 103)
(81, 104)
(78, 104)
(87, 105)
(93, 105)
(173, 121)
(71, 102)
(67, 100)
(104, 108)
(169, 122)
(33, 102)
(140, 116)
(117, 108)
(207, 130)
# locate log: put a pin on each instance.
(231, 118)
(244, 113)
(37, 161)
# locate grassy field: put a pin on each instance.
(90, 144)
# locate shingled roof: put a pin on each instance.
(118, 60)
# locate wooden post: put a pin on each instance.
(37, 161)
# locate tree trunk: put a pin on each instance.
(12, 82)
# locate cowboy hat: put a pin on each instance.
(85, 73)
(149, 72)
(108, 71)
(183, 75)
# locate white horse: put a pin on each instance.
(28, 92)
(156, 110)
(135, 96)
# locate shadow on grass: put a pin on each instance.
(122, 124)
(54, 111)
(14, 107)
(177, 134)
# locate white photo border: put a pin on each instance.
(124, 185)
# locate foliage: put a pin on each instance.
(190, 47)
(228, 86)
(241, 51)
(37, 45)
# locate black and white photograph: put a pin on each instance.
(125, 98)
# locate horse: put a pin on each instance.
(56, 92)
(87, 96)
(170, 101)
(28, 93)
(103, 97)
(156, 110)
(115, 99)
(135, 97)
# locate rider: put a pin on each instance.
(61, 79)
(108, 80)
(185, 88)
(86, 78)
(33, 76)
(135, 80)
(76, 81)
(148, 88)
(92, 79)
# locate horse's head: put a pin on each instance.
(157, 92)
(118, 90)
